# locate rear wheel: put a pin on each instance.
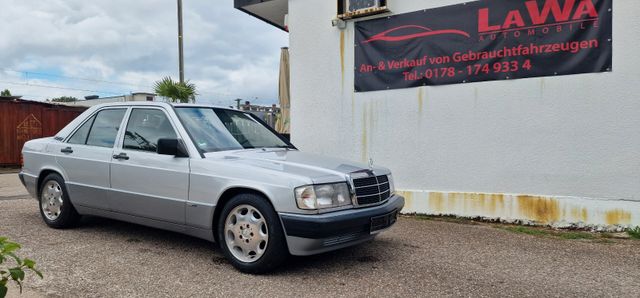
(55, 207)
(251, 235)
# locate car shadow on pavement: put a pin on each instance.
(146, 239)
(135, 233)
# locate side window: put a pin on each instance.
(105, 128)
(145, 127)
(80, 136)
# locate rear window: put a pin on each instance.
(80, 136)
(104, 128)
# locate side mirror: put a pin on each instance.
(172, 147)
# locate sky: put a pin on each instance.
(112, 47)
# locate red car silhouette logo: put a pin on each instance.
(424, 31)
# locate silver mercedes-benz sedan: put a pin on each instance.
(214, 173)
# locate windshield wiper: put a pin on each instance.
(279, 146)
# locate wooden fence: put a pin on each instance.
(22, 120)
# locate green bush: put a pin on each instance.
(634, 233)
(13, 273)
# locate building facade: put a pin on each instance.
(558, 150)
(94, 100)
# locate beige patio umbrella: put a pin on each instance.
(282, 124)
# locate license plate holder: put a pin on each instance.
(383, 221)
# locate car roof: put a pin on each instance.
(159, 104)
(75, 122)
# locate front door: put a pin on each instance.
(86, 155)
(145, 183)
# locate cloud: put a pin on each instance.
(131, 44)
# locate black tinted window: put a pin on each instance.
(105, 128)
(80, 136)
(144, 129)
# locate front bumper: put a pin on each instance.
(313, 234)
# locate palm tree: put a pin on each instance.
(182, 92)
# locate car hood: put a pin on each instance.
(320, 169)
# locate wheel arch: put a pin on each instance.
(44, 173)
(226, 196)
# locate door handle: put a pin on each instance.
(66, 150)
(121, 156)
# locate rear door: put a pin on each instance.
(85, 157)
(145, 183)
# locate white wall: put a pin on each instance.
(575, 136)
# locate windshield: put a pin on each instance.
(219, 129)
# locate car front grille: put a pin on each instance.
(372, 190)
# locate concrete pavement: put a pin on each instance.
(106, 258)
(10, 187)
(416, 258)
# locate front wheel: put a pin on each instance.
(251, 235)
(55, 207)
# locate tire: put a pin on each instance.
(253, 244)
(55, 207)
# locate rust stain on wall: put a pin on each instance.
(580, 214)
(436, 202)
(408, 199)
(420, 100)
(617, 216)
(541, 209)
(342, 57)
(493, 203)
(372, 129)
(372, 117)
(353, 108)
(535, 209)
(363, 142)
(489, 203)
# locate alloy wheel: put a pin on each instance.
(246, 233)
(51, 200)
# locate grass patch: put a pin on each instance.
(634, 233)
(528, 231)
(606, 235)
(422, 217)
(576, 235)
(535, 230)
(452, 219)
(567, 235)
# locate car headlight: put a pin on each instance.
(323, 196)
(392, 188)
